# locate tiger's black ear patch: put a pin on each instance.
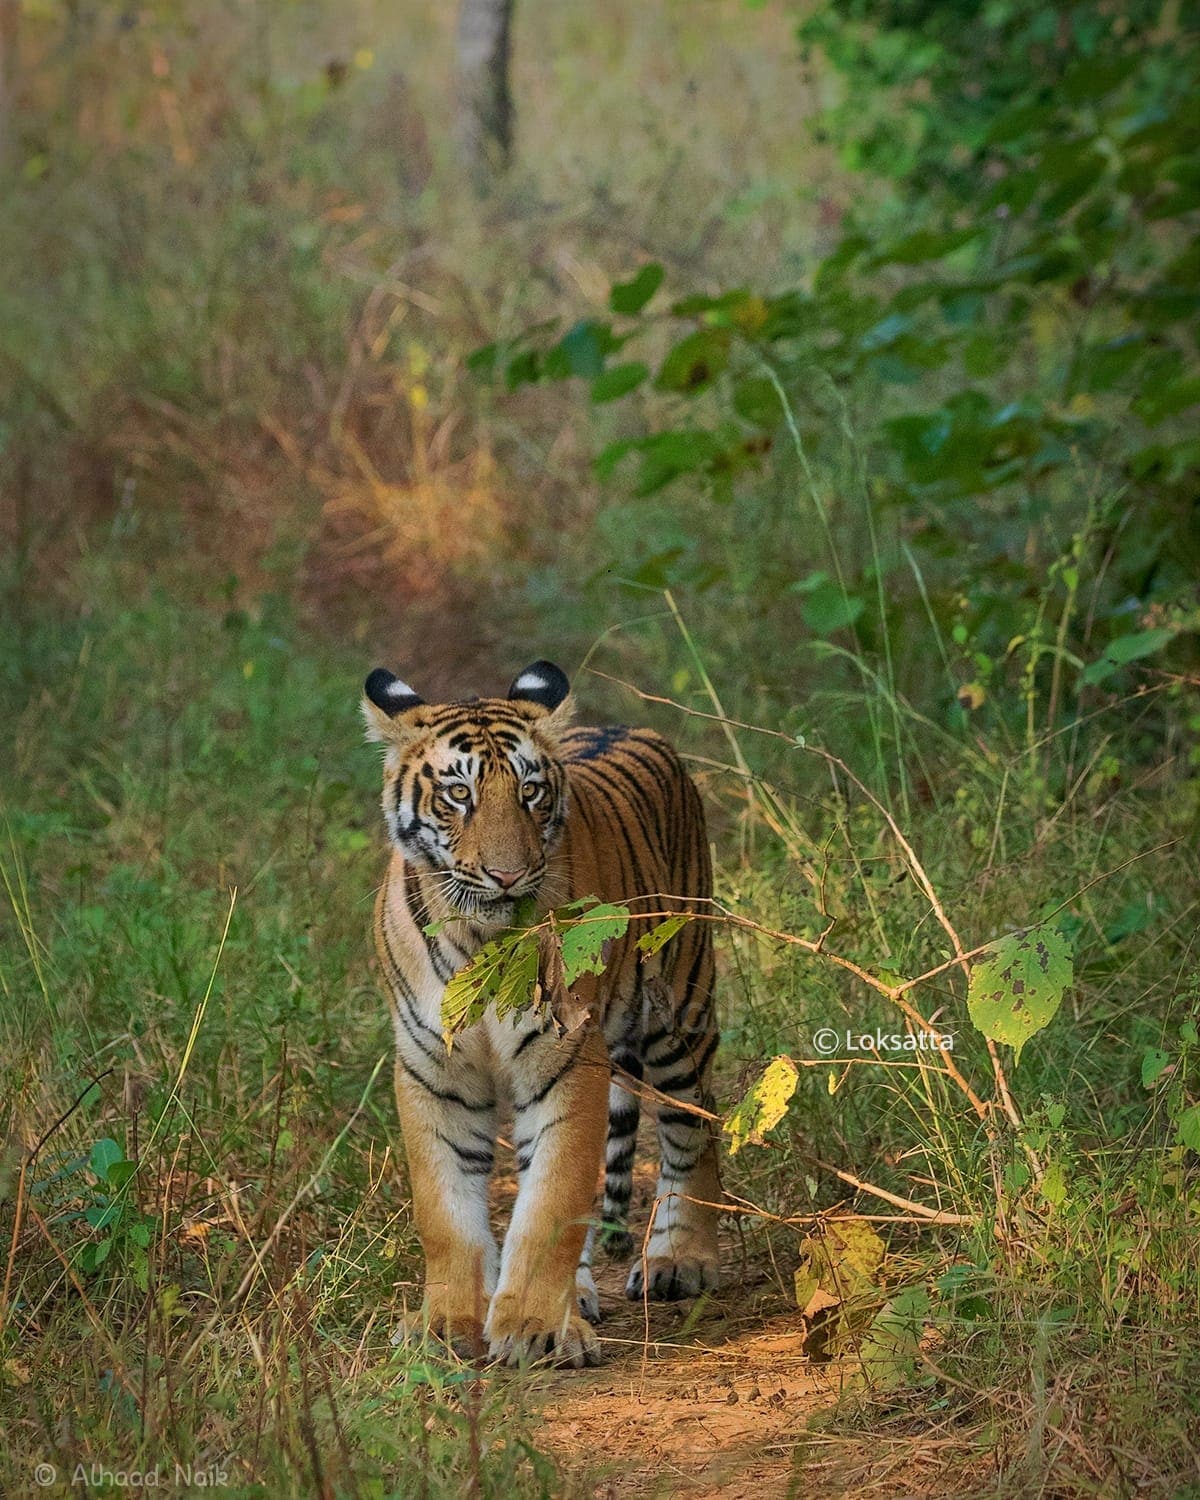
(389, 694)
(541, 682)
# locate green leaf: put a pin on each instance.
(1189, 1127)
(827, 607)
(924, 244)
(515, 985)
(1155, 1062)
(1167, 400)
(756, 401)
(580, 351)
(1054, 1184)
(1017, 985)
(524, 368)
(469, 993)
(105, 1154)
(630, 297)
(763, 1105)
(695, 361)
(618, 381)
(585, 942)
(120, 1172)
(485, 360)
(664, 456)
(889, 1350)
(658, 937)
(94, 1256)
(839, 1263)
(1126, 648)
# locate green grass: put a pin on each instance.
(237, 1294)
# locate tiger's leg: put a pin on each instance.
(611, 1232)
(587, 1293)
(623, 1115)
(559, 1103)
(681, 1257)
(449, 1139)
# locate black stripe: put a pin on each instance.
(699, 1062)
(423, 1047)
(448, 1096)
(679, 1117)
(630, 1061)
(677, 1164)
(546, 1087)
(602, 796)
(479, 1161)
(648, 813)
(677, 1053)
(387, 948)
(526, 1152)
(622, 1161)
(528, 1040)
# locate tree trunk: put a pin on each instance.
(484, 112)
(10, 15)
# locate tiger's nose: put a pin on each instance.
(506, 879)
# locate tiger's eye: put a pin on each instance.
(457, 793)
(531, 792)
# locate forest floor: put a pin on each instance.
(697, 1398)
(712, 1397)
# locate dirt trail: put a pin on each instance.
(700, 1398)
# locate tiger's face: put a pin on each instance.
(475, 791)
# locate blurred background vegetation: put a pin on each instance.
(829, 368)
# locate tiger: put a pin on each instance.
(490, 803)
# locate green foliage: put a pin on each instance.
(922, 487)
(113, 1214)
(1010, 332)
(1170, 1074)
(160, 752)
(659, 936)
(1018, 984)
(889, 1352)
(534, 965)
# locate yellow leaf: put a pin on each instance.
(763, 1105)
(836, 1282)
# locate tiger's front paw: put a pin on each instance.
(462, 1336)
(517, 1338)
(662, 1279)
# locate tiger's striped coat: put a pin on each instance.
(487, 802)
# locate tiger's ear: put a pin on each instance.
(386, 700)
(546, 685)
